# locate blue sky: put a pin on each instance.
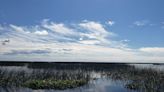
(131, 27)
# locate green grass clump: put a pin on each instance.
(54, 84)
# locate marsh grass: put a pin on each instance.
(43, 78)
(142, 80)
(63, 76)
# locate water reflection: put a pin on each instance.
(100, 77)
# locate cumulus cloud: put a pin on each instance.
(84, 41)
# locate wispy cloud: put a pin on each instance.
(58, 28)
(111, 23)
(25, 52)
(96, 33)
(153, 50)
(17, 28)
(83, 41)
(141, 23)
(144, 23)
(41, 32)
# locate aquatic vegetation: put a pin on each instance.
(54, 84)
(42, 78)
(146, 80)
(72, 75)
(142, 80)
(133, 86)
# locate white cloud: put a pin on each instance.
(110, 22)
(85, 41)
(141, 23)
(44, 32)
(90, 42)
(96, 31)
(58, 28)
(152, 49)
(125, 40)
(95, 27)
(17, 28)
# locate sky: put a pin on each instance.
(82, 30)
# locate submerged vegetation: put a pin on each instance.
(64, 76)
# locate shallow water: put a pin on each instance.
(102, 77)
(100, 85)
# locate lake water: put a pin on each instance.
(101, 77)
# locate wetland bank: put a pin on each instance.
(81, 77)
